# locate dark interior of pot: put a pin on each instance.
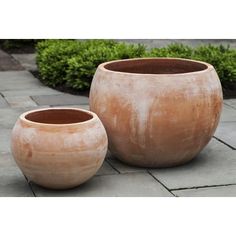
(156, 66)
(58, 116)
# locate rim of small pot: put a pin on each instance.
(205, 67)
(23, 117)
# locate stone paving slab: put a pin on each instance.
(106, 169)
(30, 92)
(127, 185)
(61, 99)
(231, 102)
(28, 61)
(85, 107)
(122, 167)
(228, 114)
(5, 140)
(9, 116)
(8, 63)
(12, 80)
(219, 191)
(226, 132)
(12, 181)
(213, 166)
(20, 101)
(3, 103)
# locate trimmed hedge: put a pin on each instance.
(73, 63)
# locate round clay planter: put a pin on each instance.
(158, 112)
(59, 147)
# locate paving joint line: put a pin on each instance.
(30, 186)
(202, 187)
(113, 166)
(161, 183)
(233, 148)
(229, 106)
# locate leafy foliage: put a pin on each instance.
(73, 62)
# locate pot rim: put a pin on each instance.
(24, 119)
(209, 66)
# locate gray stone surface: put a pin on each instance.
(12, 181)
(3, 103)
(226, 132)
(8, 63)
(5, 140)
(219, 191)
(20, 101)
(85, 107)
(8, 117)
(214, 166)
(122, 167)
(228, 114)
(126, 185)
(61, 99)
(28, 61)
(12, 80)
(30, 92)
(231, 102)
(106, 169)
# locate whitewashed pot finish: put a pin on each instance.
(62, 154)
(157, 115)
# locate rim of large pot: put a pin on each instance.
(24, 119)
(209, 67)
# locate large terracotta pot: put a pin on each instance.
(59, 147)
(158, 112)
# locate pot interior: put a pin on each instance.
(156, 66)
(58, 116)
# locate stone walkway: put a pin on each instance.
(212, 173)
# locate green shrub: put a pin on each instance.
(82, 67)
(172, 50)
(73, 63)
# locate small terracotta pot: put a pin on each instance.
(158, 112)
(59, 147)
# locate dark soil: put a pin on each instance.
(63, 88)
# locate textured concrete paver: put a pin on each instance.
(226, 132)
(231, 102)
(61, 99)
(127, 185)
(5, 139)
(28, 61)
(12, 181)
(22, 101)
(9, 116)
(228, 114)
(85, 107)
(12, 80)
(122, 167)
(106, 169)
(3, 103)
(30, 92)
(219, 191)
(8, 63)
(214, 166)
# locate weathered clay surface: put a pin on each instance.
(59, 147)
(157, 112)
